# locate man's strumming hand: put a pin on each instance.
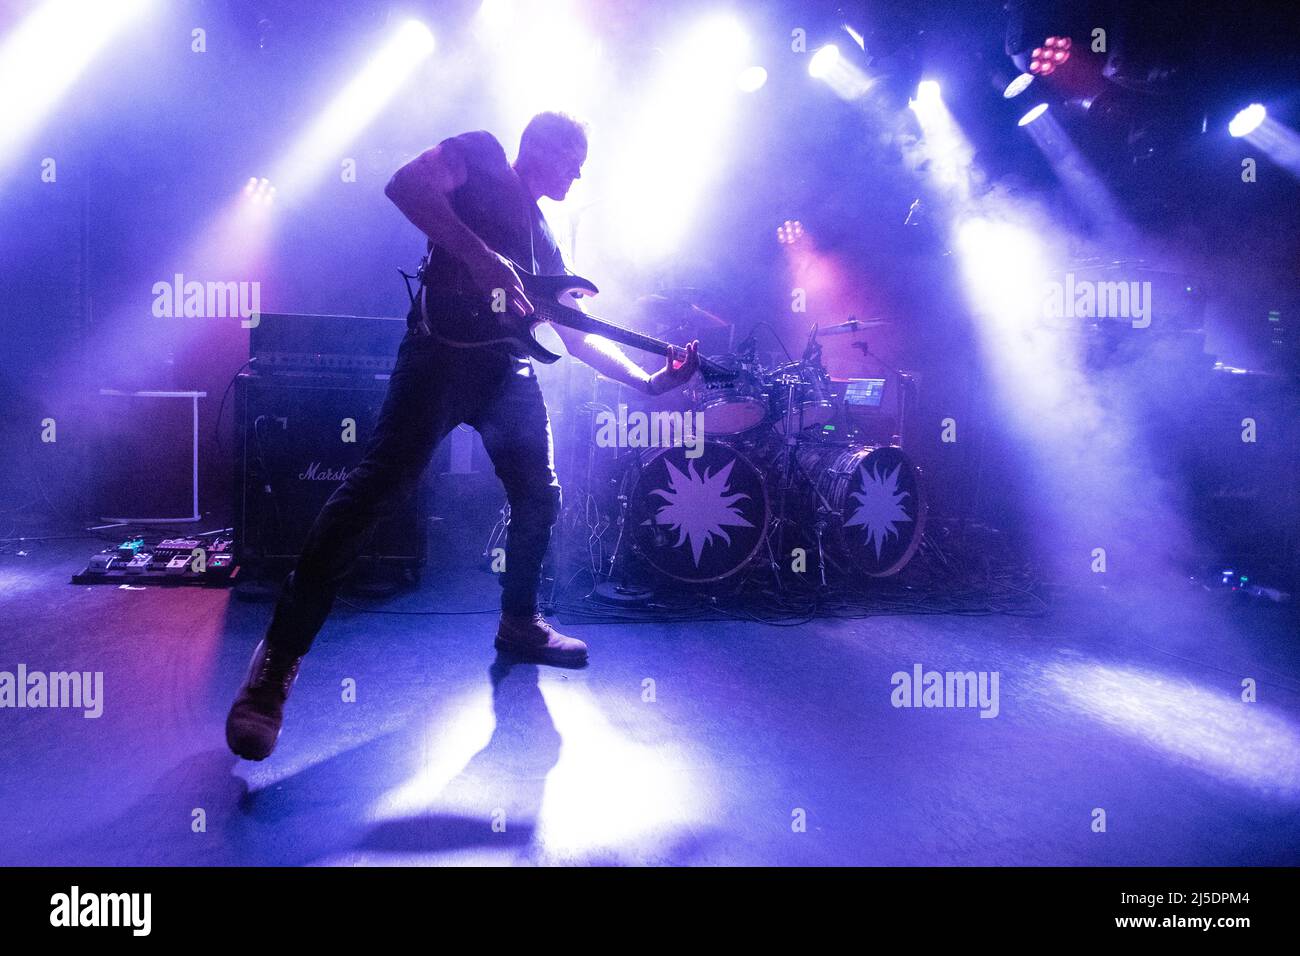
(490, 272)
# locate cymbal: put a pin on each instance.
(675, 306)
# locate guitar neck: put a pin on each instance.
(574, 319)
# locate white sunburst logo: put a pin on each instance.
(880, 509)
(699, 507)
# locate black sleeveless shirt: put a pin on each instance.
(492, 202)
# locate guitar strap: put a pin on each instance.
(528, 208)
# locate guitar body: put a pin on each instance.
(468, 323)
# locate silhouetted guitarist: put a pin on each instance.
(478, 211)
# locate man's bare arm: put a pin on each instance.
(612, 362)
(420, 190)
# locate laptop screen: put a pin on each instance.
(864, 392)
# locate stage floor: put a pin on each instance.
(1124, 703)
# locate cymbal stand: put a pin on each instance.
(576, 507)
(791, 470)
(622, 591)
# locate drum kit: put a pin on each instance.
(777, 486)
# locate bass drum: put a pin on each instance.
(696, 519)
(872, 502)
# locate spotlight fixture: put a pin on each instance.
(751, 79)
(823, 61)
(1046, 58)
(259, 190)
(1018, 85)
(928, 93)
(1032, 115)
(789, 232)
(1247, 120)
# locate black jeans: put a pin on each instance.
(433, 389)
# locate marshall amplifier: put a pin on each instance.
(324, 345)
(297, 444)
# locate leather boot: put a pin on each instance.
(253, 725)
(533, 638)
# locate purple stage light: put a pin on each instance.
(259, 191)
(1046, 58)
(789, 232)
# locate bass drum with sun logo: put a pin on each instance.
(698, 519)
(870, 503)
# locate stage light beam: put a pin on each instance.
(681, 133)
(943, 149)
(46, 53)
(843, 77)
(928, 93)
(544, 56)
(317, 148)
(1278, 141)
(720, 39)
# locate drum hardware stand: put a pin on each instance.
(497, 536)
(777, 522)
(576, 507)
(623, 506)
(590, 506)
(790, 467)
(618, 540)
(621, 591)
(572, 511)
(791, 471)
(820, 529)
(597, 526)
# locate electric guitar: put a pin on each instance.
(462, 321)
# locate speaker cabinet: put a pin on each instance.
(293, 455)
